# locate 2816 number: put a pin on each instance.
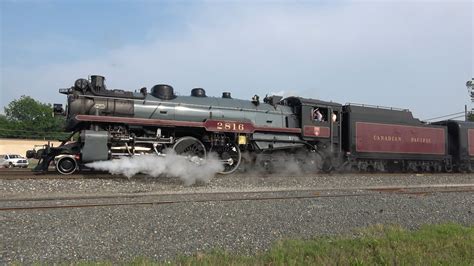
(230, 126)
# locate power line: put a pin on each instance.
(434, 118)
(461, 116)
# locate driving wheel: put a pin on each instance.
(230, 156)
(190, 146)
(66, 165)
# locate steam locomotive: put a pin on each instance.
(320, 135)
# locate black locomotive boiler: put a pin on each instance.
(320, 135)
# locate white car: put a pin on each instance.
(13, 160)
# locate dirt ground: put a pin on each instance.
(20, 146)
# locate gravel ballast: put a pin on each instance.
(117, 184)
(161, 232)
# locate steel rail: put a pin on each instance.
(7, 174)
(206, 197)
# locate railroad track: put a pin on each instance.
(18, 174)
(153, 198)
(14, 171)
(10, 174)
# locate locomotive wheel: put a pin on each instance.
(190, 146)
(264, 162)
(230, 156)
(324, 162)
(66, 165)
(448, 168)
(312, 163)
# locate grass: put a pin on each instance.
(448, 244)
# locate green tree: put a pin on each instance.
(29, 118)
(3, 123)
(470, 116)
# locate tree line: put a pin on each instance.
(27, 118)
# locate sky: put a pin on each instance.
(408, 54)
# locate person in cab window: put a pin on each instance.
(317, 116)
(334, 117)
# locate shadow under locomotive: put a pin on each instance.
(274, 135)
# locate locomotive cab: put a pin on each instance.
(320, 122)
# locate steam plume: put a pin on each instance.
(188, 169)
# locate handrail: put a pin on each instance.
(275, 111)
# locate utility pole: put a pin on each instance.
(466, 113)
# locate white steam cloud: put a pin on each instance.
(285, 93)
(188, 169)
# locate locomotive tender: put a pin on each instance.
(115, 123)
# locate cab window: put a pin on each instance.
(320, 114)
(335, 117)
